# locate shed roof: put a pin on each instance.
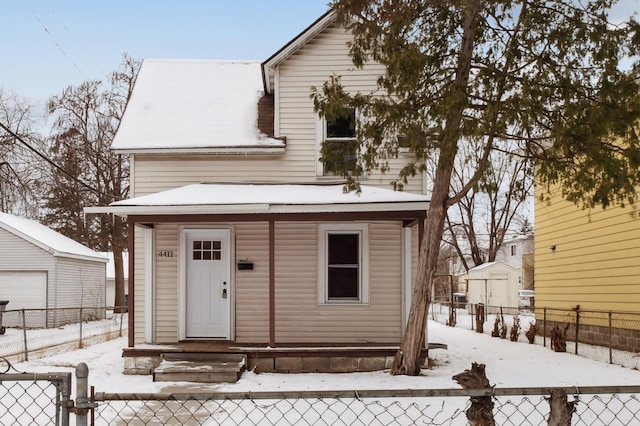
(47, 239)
(485, 270)
(195, 105)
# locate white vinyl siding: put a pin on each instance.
(80, 283)
(166, 294)
(139, 300)
(325, 55)
(252, 286)
(297, 310)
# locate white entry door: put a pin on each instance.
(208, 284)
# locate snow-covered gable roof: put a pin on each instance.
(47, 239)
(269, 66)
(194, 105)
(265, 198)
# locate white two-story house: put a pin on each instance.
(238, 233)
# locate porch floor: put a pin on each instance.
(289, 358)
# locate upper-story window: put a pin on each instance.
(338, 143)
(513, 250)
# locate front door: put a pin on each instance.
(208, 284)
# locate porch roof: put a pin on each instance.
(205, 198)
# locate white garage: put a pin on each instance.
(494, 284)
(42, 269)
(25, 290)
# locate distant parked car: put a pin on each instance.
(459, 300)
(526, 299)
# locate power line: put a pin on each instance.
(46, 30)
(57, 167)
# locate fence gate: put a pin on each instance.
(33, 398)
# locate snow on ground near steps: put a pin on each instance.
(508, 364)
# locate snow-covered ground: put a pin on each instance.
(508, 364)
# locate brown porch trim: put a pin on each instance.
(272, 284)
(132, 279)
(297, 217)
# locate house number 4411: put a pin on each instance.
(165, 254)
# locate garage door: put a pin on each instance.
(24, 290)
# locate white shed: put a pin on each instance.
(41, 268)
(494, 284)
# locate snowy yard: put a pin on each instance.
(508, 364)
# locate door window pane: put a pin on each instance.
(207, 250)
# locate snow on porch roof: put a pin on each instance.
(207, 198)
(194, 105)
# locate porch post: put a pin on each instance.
(132, 278)
(272, 285)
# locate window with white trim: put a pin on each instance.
(343, 263)
(338, 144)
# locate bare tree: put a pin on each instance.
(477, 225)
(20, 168)
(86, 118)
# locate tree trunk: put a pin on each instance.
(480, 318)
(559, 338)
(407, 359)
(531, 333)
(561, 408)
(480, 413)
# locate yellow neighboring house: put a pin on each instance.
(587, 260)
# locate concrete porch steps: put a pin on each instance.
(200, 368)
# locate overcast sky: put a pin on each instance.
(47, 45)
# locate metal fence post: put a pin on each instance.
(121, 318)
(24, 333)
(472, 315)
(577, 309)
(544, 327)
(82, 394)
(80, 342)
(610, 339)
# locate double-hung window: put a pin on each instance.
(343, 266)
(339, 144)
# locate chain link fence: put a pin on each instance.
(45, 399)
(34, 398)
(27, 335)
(606, 336)
(511, 406)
